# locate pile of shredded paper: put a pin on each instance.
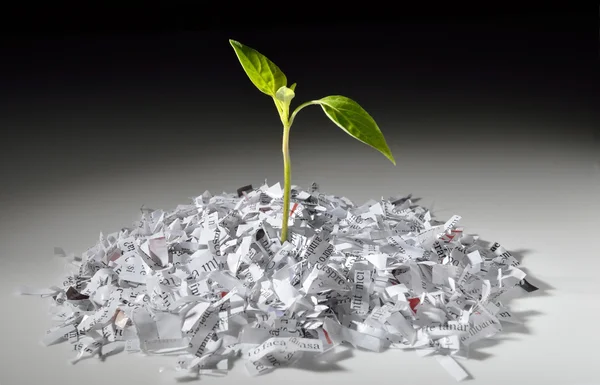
(211, 281)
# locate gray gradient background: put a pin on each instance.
(495, 123)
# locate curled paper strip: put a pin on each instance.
(210, 281)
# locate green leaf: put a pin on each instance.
(285, 95)
(265, 75)
(353, 119)
(283, 98)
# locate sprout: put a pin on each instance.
(344, 112)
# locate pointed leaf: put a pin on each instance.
(265, 75)
(352, 118)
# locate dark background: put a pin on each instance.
(85, 89)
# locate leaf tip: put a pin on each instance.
(388, 154)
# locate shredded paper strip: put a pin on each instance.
(210, 282)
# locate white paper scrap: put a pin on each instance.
(211, 280)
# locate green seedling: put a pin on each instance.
(344, 112)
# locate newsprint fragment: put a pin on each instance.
(210, 281)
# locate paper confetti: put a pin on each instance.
(210, 281)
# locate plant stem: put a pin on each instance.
(287, 166)
(306, 104)
(287, 180)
